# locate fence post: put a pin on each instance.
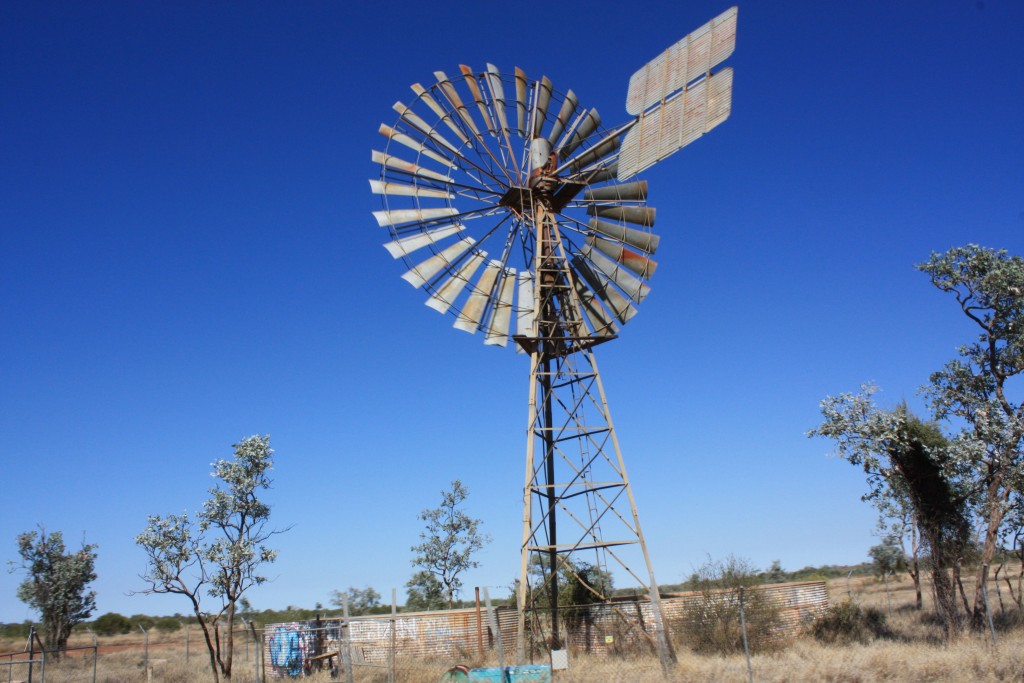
(245, 630)
(95, 652)
(746, 645)
(988, 612)
(888, 595)
(146, 634)
(346, 638)
(31, 650)
(259, 650)
(849, 593)
(496, 628)
(185, 627)
(391, 651)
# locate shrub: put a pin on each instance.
(167, 624)
(112, 624)
(846, 622)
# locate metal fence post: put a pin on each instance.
(95, 652)
(185, 627)
(146, 641)
(259, 650)
(391, 651)
(746, 645)
(492, 620)
(888, 595)
(988, 612)
(31, 650)
(346, 643)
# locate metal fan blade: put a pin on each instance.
(619, 305)
(521, 101)
(407, 245)
(569, 105)
(501, 316)
(599, 320)
(453, 98)
(638, 239)
(638, 263)
(540, 110)
(442, 299)
(410, 117)
(439, 111)
(631, 286)
(632, 191)
(602, 174)
(379, 187)
(587, 126)
(672, 126)
(498, 95)
(403, 139)
(688, 59)
(524, 312)
(637, 215)
(596, 152)
(399, 216)
(469, 317)
(474, 88)
(407, 167)
(420, 274)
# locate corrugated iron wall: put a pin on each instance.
(622, 626)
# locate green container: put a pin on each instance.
(528, 673)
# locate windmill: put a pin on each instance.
(520, 215)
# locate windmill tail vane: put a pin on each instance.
(521, 216)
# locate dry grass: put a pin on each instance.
(913, 652)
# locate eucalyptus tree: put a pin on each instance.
(449, 542)
(900, 454)
(982, 389)
(55, 583)
(219, 554)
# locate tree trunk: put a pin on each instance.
(995, 497)
(229, 646)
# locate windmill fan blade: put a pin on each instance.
(441, 114)
(407, 245)
(638, 239)
(637, 215)
(453, 98)
(410, 117)
(501, 316)
(470, 315)
(544, 89)
(630, 285)
(521, 101)
(474, 88)
(498, 95)
(524, 312)
(400, 216)
(639, 264)
(407, 167)
(379, 187)
(442, 299)
(596, 152)
(419, 275)
(603, 173)
(403, 139)
(569, 105)
(600, 323)
(631, 191)
(619, 305)
(587, 126)
(681, 120)
(688, 59)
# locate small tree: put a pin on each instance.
(360, 600)
(886, 557)
(55, 583)
(449, 542)
(424, 593)
(112, 624)
(220, 554)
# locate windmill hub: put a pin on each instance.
(555, 192)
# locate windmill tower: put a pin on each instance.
(520, 214)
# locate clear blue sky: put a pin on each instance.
(187, 257)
